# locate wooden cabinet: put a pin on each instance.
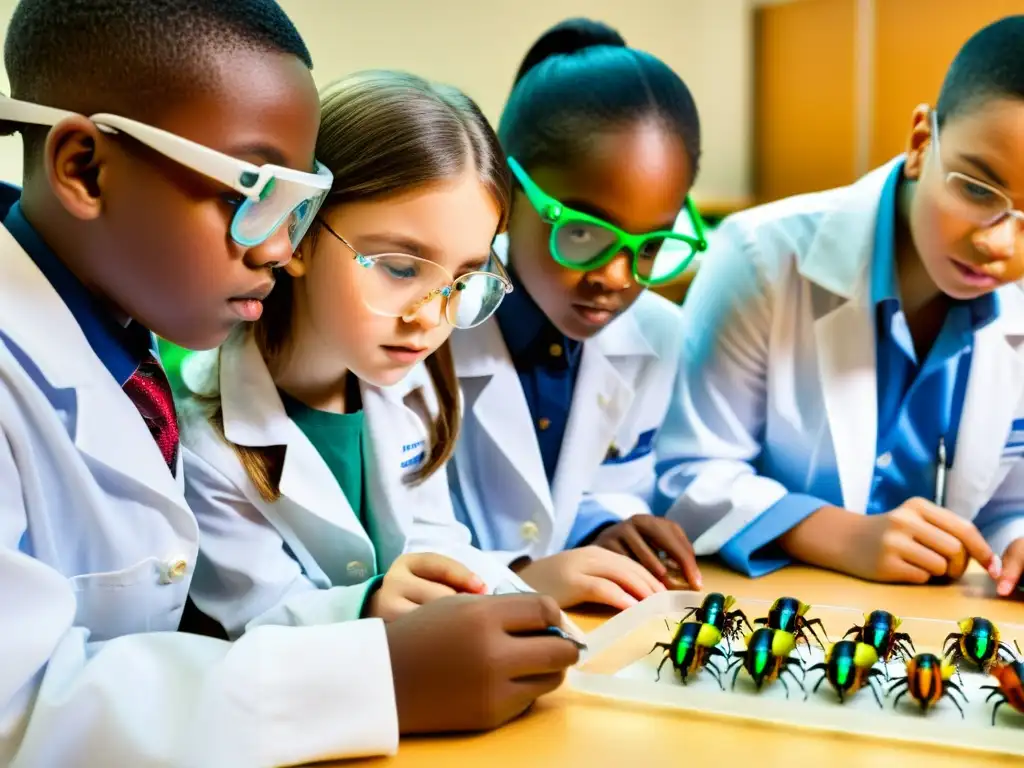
(836, 81)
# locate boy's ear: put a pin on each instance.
(74, 157)
(919, 141)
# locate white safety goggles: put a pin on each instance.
(274, 195)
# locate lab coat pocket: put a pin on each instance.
(144, 597)
(628, 466)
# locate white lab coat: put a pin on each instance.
(620, 399)
(306, 558)
(779, 371)
(97, 548)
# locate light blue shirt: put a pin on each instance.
(917, 403)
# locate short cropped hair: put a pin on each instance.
(990, 65)
(132, 57)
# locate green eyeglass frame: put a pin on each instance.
(558, 216)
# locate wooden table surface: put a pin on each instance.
(569, 729)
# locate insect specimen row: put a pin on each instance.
(850, 665)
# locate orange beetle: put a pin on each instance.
(928, 681)
(1010, 690)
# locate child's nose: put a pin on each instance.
(1002, 239)
(275, 251)
(617, 274)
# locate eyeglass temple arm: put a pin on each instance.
(536, 195)
(17, 111)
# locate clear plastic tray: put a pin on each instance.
(617, 665)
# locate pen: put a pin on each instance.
(940, 474)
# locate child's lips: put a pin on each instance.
(595, 314)
(973, 275)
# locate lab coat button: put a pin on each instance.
(356, 570)
(884, 461)
(174, 571)
(530, 531)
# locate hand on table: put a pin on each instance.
(417, 579)
(914, 543)
(469, 663)
(1013, 569)
(642, 536)
(591, 575)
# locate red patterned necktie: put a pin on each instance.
(150, 391)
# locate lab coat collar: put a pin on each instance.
(481, 351)
(45, 337)
(254, 414)
(841, 252)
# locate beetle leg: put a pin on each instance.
(996, 709)
(956, 703)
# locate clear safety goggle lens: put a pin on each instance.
(283, 202)
(400, 285)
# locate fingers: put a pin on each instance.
(958, 565)
(529, 613)
(902, 572)
(641, 551)
(917, 555)
(595, 589)
(444, 570)
(962, 529)
(541, 656)
(537, 685)
(1013, 569)
(389, 608)
(421, 592)
(674, 542)
(935, 538)
(623, 571)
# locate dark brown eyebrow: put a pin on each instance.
(985, 169)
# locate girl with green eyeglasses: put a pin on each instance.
(567, 385)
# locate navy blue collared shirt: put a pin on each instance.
(120, 348)
(547, 362)
(917, 403)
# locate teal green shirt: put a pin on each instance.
(337, 437)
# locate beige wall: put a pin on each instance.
(478, 44)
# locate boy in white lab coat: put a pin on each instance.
(139, 214)
(567, 387)
(852, 388)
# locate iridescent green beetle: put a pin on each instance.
(691, 650)
(790, 615)
(849, 666)
(978, 642)
(767, 657)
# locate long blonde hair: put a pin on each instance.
(384, 132)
